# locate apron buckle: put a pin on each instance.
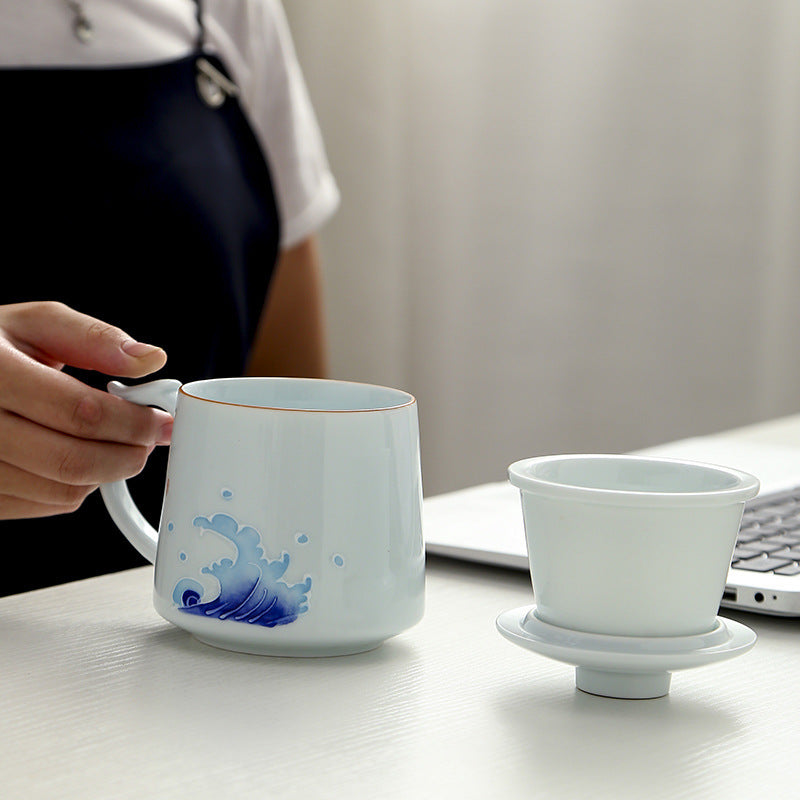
(212, 86)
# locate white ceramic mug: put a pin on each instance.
(291, 522)
(628, 545)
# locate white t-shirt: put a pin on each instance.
(250, 36)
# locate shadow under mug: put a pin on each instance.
(291, 522)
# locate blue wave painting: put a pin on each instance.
(249, 587)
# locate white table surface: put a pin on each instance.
(101, 698)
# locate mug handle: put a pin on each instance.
(138, 531)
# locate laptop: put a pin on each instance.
(484, 523)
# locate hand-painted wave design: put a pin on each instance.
(249, 587)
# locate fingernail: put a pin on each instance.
(165, 435)
(138, 349)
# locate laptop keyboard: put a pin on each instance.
(769, 536)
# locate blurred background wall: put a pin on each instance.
(565, 226)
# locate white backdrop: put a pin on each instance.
(566, 226)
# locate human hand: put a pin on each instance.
(59, 438)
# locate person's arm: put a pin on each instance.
(59, 439)
(291, 337)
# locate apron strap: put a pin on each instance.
(214, 84)
(201, 33)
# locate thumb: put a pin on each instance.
(55, 333)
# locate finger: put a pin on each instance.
(23, 485)
(64, 458)
(61, 402)
(60, 334)
(17, 508)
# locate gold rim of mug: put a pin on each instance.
(410, 402)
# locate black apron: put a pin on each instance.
(134, 200)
